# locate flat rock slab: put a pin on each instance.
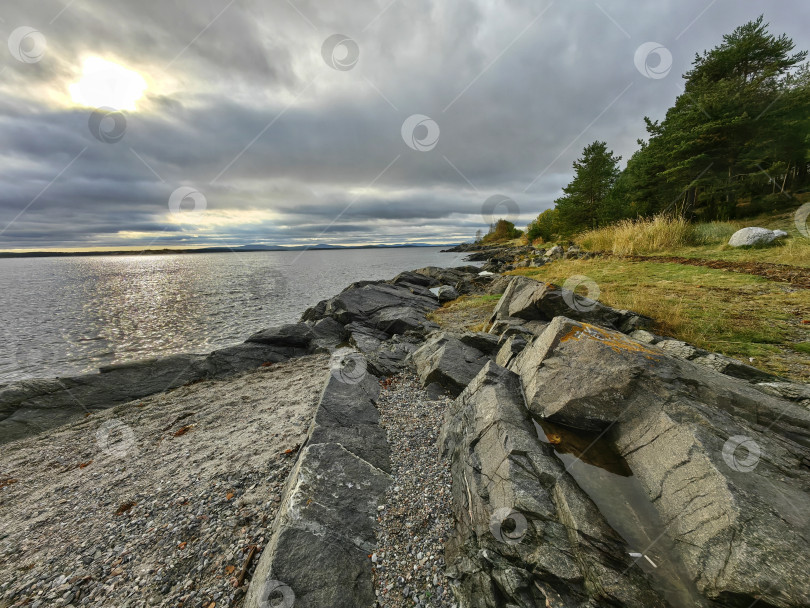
(318, 553)
(324, 533)
(181, 467)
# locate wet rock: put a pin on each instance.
(525, 535)
(720, 460)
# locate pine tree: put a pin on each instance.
(585, 198)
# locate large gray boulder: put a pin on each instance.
(322, 536)
(447, 360)
(449, 276)
(747, 237)
(531, 300)
(723, 463)
(391, 309)
(525, 534)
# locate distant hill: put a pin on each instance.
(241, 248)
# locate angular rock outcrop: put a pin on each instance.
(391, 309)
(525, 534)
(726, 466)
(529, 300)
(452, 360)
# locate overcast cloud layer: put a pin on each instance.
(243, 107)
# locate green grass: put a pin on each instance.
(740, 315)
(801, 347)
(466, 312)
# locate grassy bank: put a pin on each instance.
(667, 236)
(743, 316)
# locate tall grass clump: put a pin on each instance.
(640, 236)
(713, 233)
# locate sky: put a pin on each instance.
(232, 122)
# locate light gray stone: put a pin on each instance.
(745, 237)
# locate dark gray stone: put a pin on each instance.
(323, 532)
(563, 552)
(293, 334)
(243, 357)
(448, 361)
(532, 300)
(32, 406)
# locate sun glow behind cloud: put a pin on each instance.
(107, 84)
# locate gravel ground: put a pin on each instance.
(160, 502)
(417, 518)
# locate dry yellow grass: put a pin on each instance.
(642, 236)
(667, 235)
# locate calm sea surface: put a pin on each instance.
(64, 316)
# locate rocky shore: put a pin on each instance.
(566, 456)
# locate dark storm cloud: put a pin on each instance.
(242, 107)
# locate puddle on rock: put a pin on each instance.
(601, 472)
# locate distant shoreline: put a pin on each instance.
(241, 249)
